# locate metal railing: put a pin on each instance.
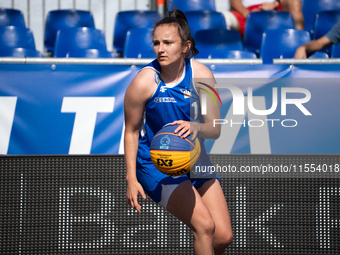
(118, 61)
(293, 61)
(144, 61)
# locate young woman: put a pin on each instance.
(198, 202)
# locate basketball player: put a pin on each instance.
(158, 95)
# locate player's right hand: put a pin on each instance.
(134, 188)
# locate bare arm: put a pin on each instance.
(312, 46)
(239, 7)
(138, 92)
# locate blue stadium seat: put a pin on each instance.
(11, 17)
(144, 47)
(201, 20)
(90, 53)
(74, 39)
(324, 21)
(319, 54)
(311, 7)
(335, 51)
(16, 37)
(126, 20)
(193, 5)
(259, 22)
(20, 53)
(232, 54)
(59, 19)
(240, 54)
(282, 43)
(217, 41)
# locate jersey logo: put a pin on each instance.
(162, 89)
(165, 100)
(186, 93)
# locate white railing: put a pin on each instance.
(144, 61)
(119, 61)
(293, 61)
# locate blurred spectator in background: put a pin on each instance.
(236, 19)
(332, 37)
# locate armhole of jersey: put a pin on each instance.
(157, 78)
(192, 75)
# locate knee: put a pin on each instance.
(222, 240)
(206, 228)
(228, 238)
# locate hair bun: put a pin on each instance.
(176, 13)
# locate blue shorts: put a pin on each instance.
(160, 186)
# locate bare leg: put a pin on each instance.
(214, 199)
(187, 205)
(295, 8)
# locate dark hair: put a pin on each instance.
(177, 17)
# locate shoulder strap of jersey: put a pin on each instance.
(154, 65)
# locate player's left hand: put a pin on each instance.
(186, 128)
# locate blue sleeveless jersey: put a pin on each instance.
(170, 102)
